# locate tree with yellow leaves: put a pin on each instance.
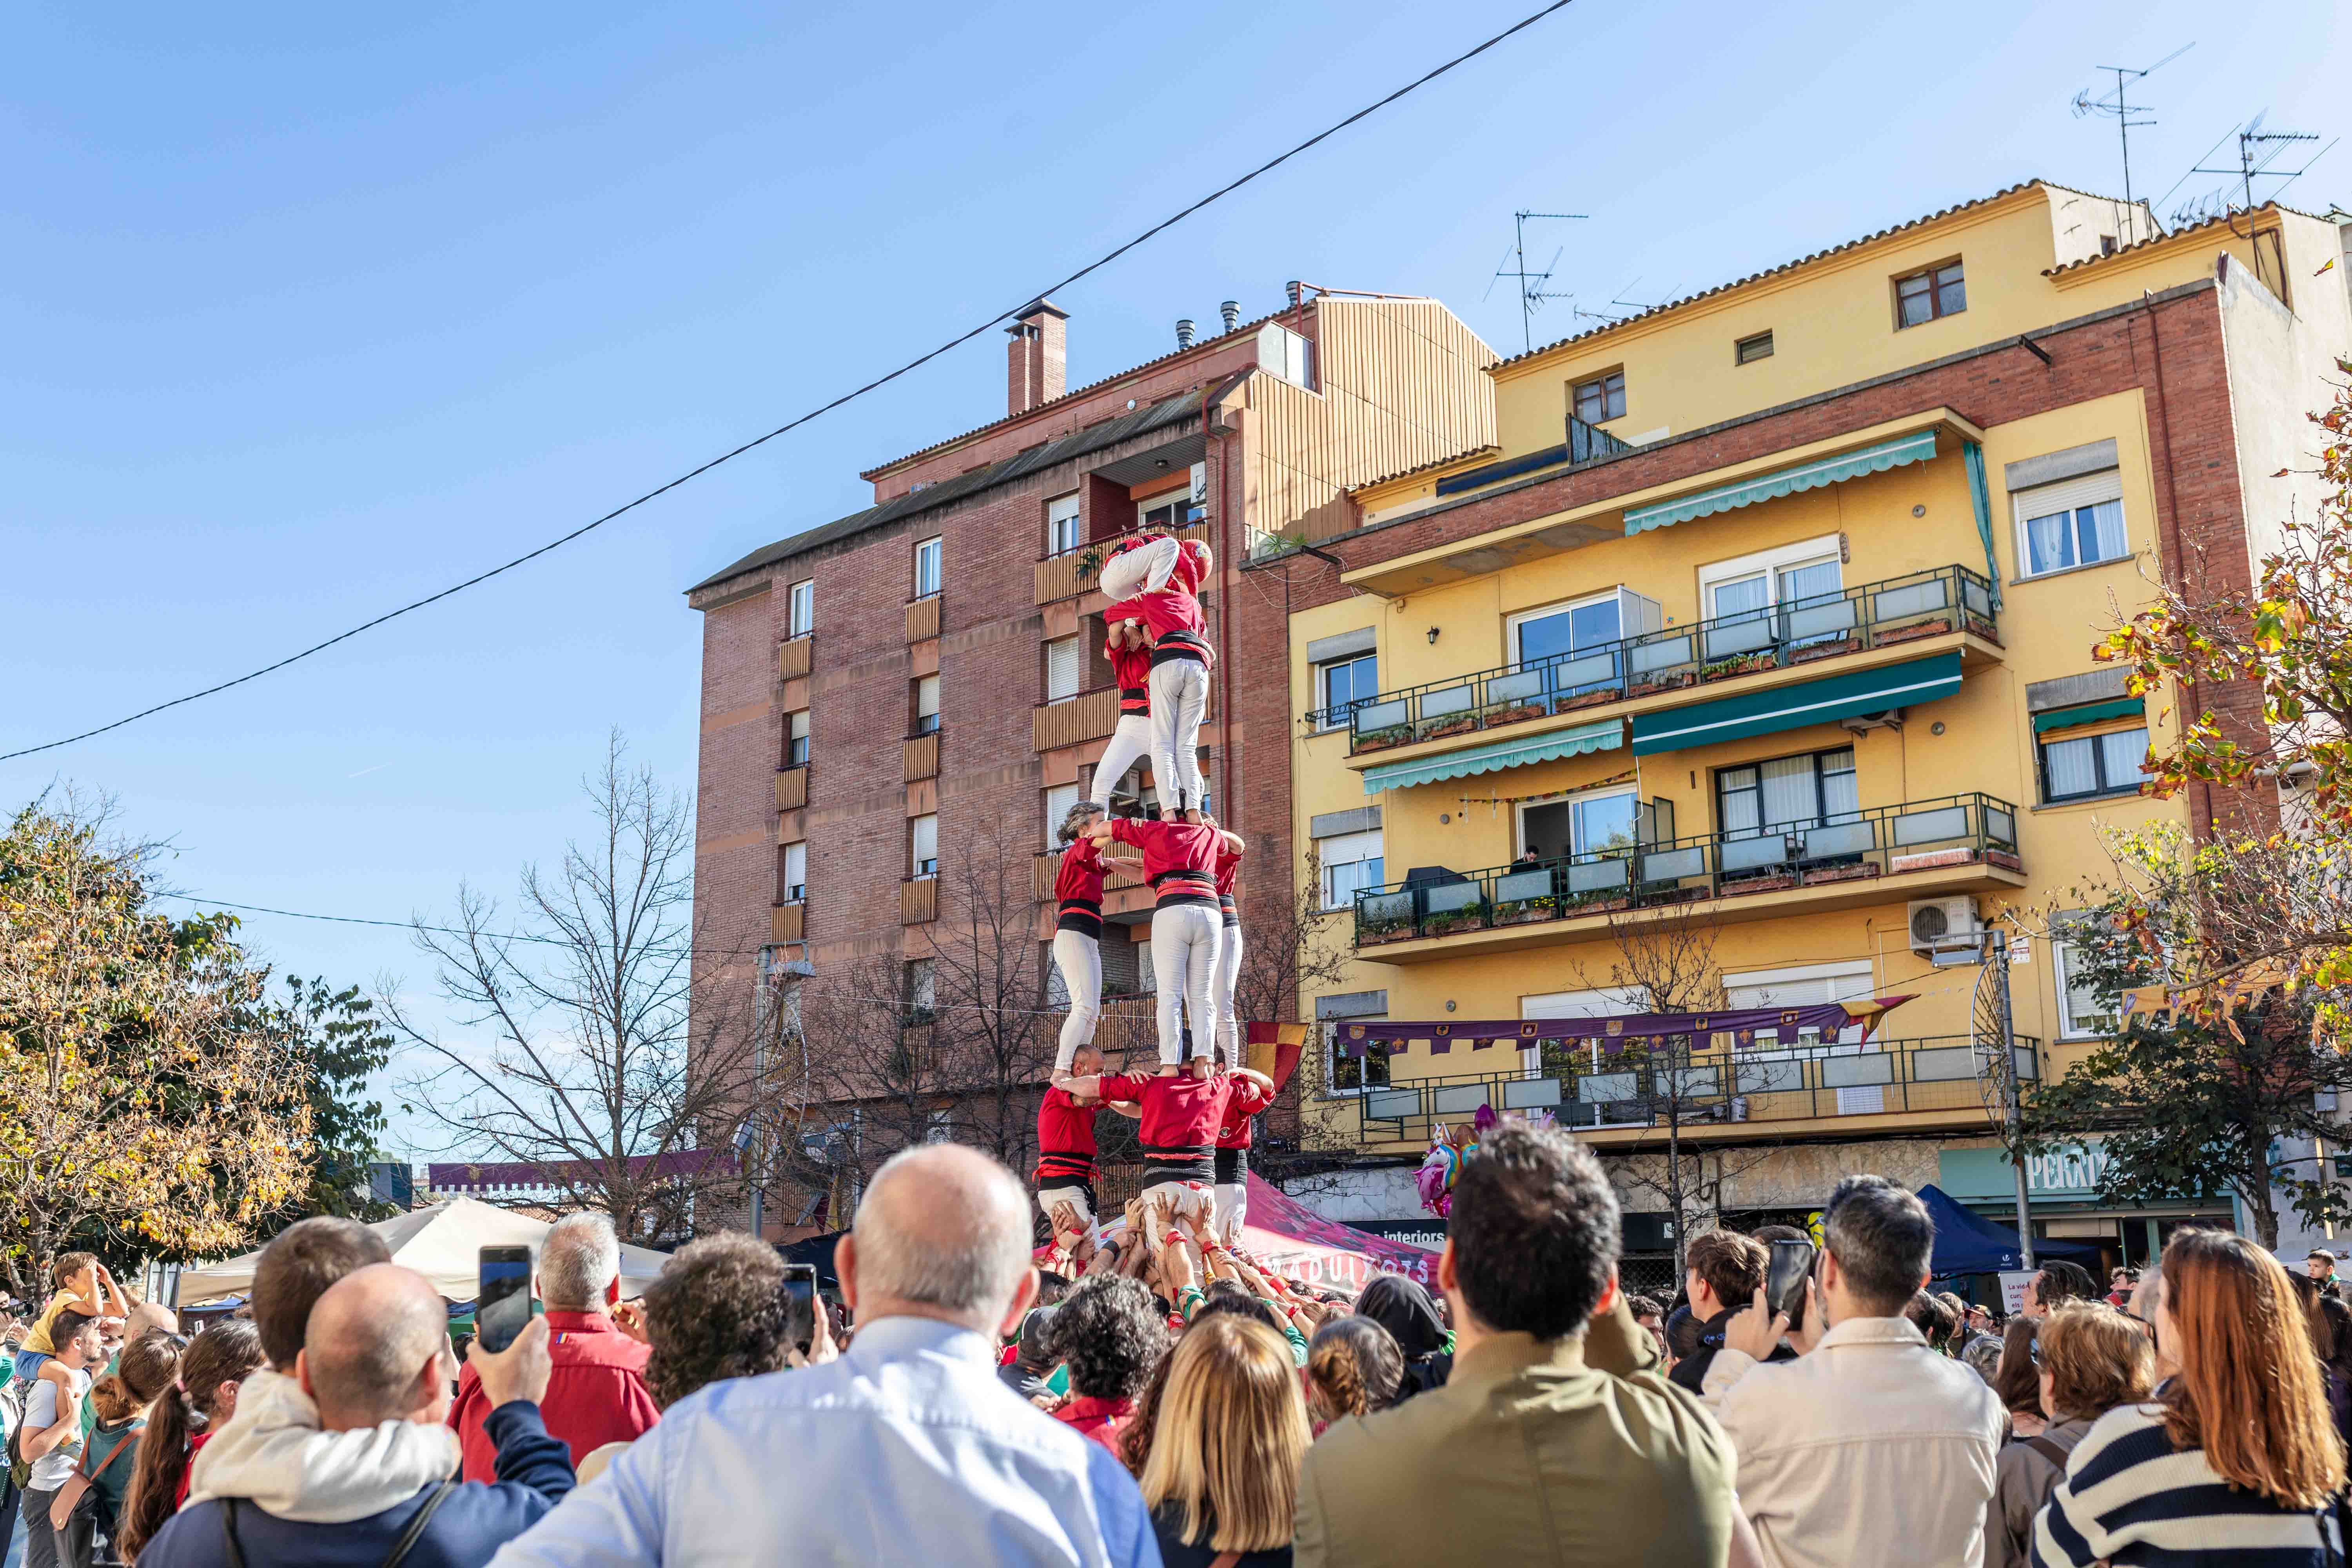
(142, 1100)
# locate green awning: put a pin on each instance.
(1604, 736)
(1794, 707)
(1915, 448)
(2090, 713)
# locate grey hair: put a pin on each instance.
(1882, 1237)
(961, 1246)
(578, 1261)
(1076, 820)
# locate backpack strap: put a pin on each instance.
(2049, 1450)
(228, 1533)
(424, 1517)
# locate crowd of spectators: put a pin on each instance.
(1183, 1404)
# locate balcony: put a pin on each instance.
(923, 618)
(1926, 848)
(793, 657)
(1073, 720)
(1714, 1096)
(921, 756)
(919, 901)
(1921, 613)
(786, 922)
(1073, 571)
(791, 788)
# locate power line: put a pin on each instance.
(958, 340)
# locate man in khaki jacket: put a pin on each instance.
(1557, 1439)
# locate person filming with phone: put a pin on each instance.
(374, 1359)
(596, 1391)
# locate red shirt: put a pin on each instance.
(1181, 1114)
(1129, 667)
(1172, 615)
(1066, 1139)
(1248, 1098)
(596, 1393)
(1101, 1419)
(1179, 860)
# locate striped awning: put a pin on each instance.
(1492, 758)
(1793, 707)
(2089, 713)
(1915, 448)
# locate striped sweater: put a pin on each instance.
(2129, 1498)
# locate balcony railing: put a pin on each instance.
(1710, 1091)
(1803, 631)
(1952, 830)
(1068, 572)
(1117, 874)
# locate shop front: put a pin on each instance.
(2063, 1193)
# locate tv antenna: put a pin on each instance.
(1532, 293)
(1626, 308)
(2256, 149)
(2118, 105)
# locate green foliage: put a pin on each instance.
(335, 1037)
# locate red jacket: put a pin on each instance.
(1066, 1139)
(1247, 1100)
(595, 1395)
(1181, 1116)
(1129, 667)
(1078, 889)
(1179, 860)
(1101, 1419)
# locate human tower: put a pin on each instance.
(1195, 1109)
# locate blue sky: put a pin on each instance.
(310, 310)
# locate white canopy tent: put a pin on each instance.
(441, 1242)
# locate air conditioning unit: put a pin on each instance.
(1946, 930)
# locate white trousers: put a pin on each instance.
(1184, 1200)
(1184, 940)
(1180, 697)
(1229, 975)
(1079, 958)
(1231, 1210)
(1129, 744)
(1076, 1196)
(1140, 570)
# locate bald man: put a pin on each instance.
(906, 1450)
(375, 1360)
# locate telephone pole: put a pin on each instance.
(2012, 1114)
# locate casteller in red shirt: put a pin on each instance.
(1180, 1118)
(1130, 668)
(1101, 1419)
(595, 1394)
(1250, 1095)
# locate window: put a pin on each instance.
(1353, 1075)
(1283, 353)
(1582, 825)
(921, 989)
(1749, 586)
(2091, 765)
(927, 705)
(1351, 863)
(1057, 990)
(1810, 791)
(1748, 351)
(1059, 799)
(797, 740)
(1552, 636)
(926, 568)
(795, 877)
(2075, 522)
(2079, 1013)
(801, 617)
(1601, 398)
(1345, 683)
(1065, 663)
(1061, 525)
(1169, 512)
(1925, 295)
(924, 835)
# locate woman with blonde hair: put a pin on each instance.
(2238, 1455)
(1221, 1480)
(2089, 1361)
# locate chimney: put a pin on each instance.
(1183, 333)
(1035, 357)
(1232, 311)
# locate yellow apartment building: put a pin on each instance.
(1758, 644)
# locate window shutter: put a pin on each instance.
(1065, 660)
(2089, 489)
(1058, 801)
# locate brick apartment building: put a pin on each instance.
(898, 704)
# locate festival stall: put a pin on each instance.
(442, 1242)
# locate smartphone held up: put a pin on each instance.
(1784, 1280)
(502, 1297)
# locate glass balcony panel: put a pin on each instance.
(1530, 1093)
(1522, 686)
(1770, 1076)
(1846, 838)
(1446, 897)
(1389, 907)
(1912, 599)
(1665, 653)
(1461, 1099)
(1395, 1105)
(1593, 876)
(1692, 1083)
(2027, 1061)
(1452, 700)
(1852, 1072)
(2000, 826)
(1606, 1088)
(1593, 670)
(1520, 885)
(1932, 826)
(1753, 854)
(1944, 1064)
(1674, 865)
(1739, 637)
(1383, 715)
(1829, 620)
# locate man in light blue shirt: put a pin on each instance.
(907, 1449)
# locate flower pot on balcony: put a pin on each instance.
(1610, 905)
(1461, 726)
(2004, 859)
(1859, 871)
(1515, 713)
(1371, 933)
(1446, 925)
(1588, 699)
(1746, 663)
(1770, 883)
(1675, 682)
(1915, 630)
(1813, 651)
(1977, 625)
(1382, 740)
(1527, 912)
